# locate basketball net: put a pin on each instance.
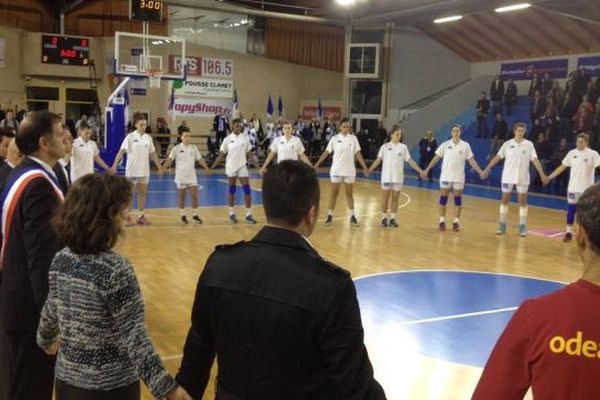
(154, 77)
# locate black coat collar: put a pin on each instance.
(283, 237)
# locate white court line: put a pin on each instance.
(414, 322)
(412, 271)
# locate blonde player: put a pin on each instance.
(286, 147)
(185, 156)
(236, 148)
(140, 149)
(85, 152)
(518, 153)
(345, 149)
(393, 155)
(583, 162)
(454, 152)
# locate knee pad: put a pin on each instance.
(246, 189)
(231, 189)
(443, 200)
(458, 201)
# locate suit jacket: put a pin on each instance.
(63, 179)
(511, 93)
(284, 323)
(538, 108)
(5, 170)
(31, 245)
(497, 90)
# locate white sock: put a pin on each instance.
(352, 212)
(383, 215)
(569, 229)
(522, 215)
(503, 213)
(330, 212)
(231, 211)
(442, 219)
(456, 220)
(195, 212)
(392, 215)
(248, 211)
(140, 213)
(181, 212)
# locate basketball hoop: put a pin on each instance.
(154, 76)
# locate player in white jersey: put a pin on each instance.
(185, 156)
(286, 147)
(393, 155)
(583, 162)
(85, 152)
(345, 149)
(454, 153)
(140, 149)
(518, 153)
(236, 151)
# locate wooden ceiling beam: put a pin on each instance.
(513, 39)
(489, 34)
(551, 20)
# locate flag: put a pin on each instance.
(126, 108)
(270, 107)
(236, 104)
(320, 109)
(280, 106)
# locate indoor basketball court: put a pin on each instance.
(433, 303)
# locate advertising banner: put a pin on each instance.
(194, 107)
(204, 87)
(523, 71)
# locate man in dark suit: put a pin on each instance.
(538, 107)
(13, 158)
(283, 322)
(6, 136)
(29, 245)
(510, 96)
(497, 94)
(221, 126)
(62, 168)
(483, 108)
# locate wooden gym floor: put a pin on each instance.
(169, 257)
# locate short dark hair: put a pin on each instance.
(83, 126)
(456, 126)
(184, 129)
(236, 121)
(584, 136)
(138, 116)
(36, 125)
(290, 188)
(519, 125)
(6, 132)
(588, 215)
(88, 222)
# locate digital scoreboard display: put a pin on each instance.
(65, 50)
(146, 10)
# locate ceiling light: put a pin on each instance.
(447, 19)
(513, 7)
(345, 2)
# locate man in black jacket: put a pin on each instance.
(29, 246)
(483, 108)
(283, 322)
(497, 94)
(510, 96)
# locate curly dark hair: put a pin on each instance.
(89, 221)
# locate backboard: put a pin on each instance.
(139, 56)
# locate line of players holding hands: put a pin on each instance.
(236, 149)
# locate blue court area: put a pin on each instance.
(162, 192)
(448, 315)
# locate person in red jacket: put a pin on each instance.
(551, 344)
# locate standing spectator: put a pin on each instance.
(595, 136)
(510, 97)
(498, 135)
(162, 129)
(583, 119)
(10, 122)
(258, 125)
(547, 84)
(551, 121)
(21, 114)
(182, 127)
(591, 93)
(536, 129)
(30, 246)
(6, 136)
(545, 346)
(328, 129)
(497, 94)
(381, 135)
(70, 123)
(221, 126)
(213, 146)
(565, 114)
(581, 81)
(534, 86)
(556, 94)
(82, 119)
(427, 148)
(483, 108)
(544, 151)
(560, 183)
(100, 336)
(538, 107)
(13, 158)
(300, 336)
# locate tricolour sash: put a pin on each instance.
(11, 196)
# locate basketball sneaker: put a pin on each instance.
(522, 230)
(250, 220)
(354, 221)
(129, 221)
(393, 223)
(501, 229)
(568, 237)
(233, 218)
(142, 220)
(329, 220)
(184, 219)
(455, 227)
(442, 226)
(384, 222)
(197, 219)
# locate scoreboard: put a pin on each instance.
(146, 10)
(65, 50)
